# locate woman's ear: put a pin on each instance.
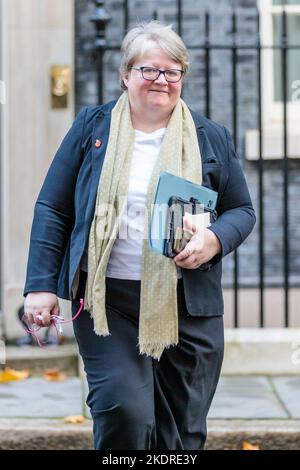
(125, 77)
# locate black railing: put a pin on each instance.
(101, 20)
(2, 103)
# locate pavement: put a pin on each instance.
(263, 410)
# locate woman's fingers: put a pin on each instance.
(39, 306)
(30, 318)
(189, 263)
(40, 318)
(46, 318)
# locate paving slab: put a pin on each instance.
(288, 391)
(235, 398)
(246, 397)
(240, 398)
(39, 398)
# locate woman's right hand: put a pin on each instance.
(44, 304)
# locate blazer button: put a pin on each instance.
(98, 143)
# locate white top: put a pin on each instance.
(126, 255)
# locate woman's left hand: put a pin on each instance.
(202, 247)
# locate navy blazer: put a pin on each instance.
(65, 207)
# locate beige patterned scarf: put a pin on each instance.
(180, 155)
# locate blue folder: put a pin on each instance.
(171, 185)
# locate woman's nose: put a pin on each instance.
(161, 79)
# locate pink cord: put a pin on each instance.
(55, 320)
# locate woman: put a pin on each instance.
(151, 332)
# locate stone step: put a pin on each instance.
(271, 434)
(63, 357)
(51, 434)
(44, 434)
(265, 352)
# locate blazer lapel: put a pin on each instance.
(99, 145)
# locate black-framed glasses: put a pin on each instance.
(152, 73)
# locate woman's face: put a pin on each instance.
(156, 95)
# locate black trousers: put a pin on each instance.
(137, 402)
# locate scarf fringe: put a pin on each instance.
(154, 350)
(101, 333)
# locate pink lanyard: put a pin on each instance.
(56, 321)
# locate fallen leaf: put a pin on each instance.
(76, 419)
(62, 339)
(9, 375)
(54, 375)
(248, 446)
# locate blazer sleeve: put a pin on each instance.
(54, 212)
(236, 216)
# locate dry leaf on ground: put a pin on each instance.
(54, 375)
(76, 419)
(248, 446)
(9, 375)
